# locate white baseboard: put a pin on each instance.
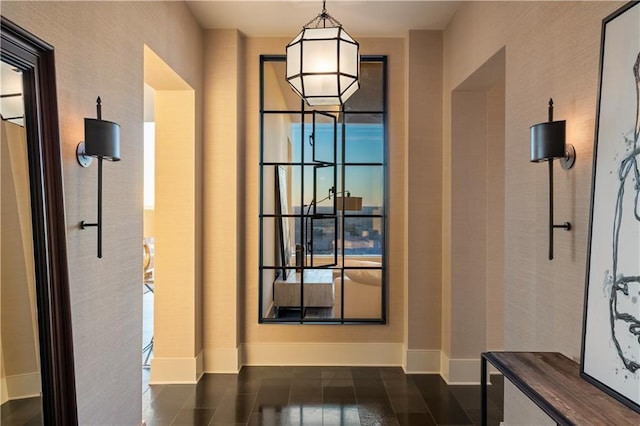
(413, 361)
(329, 354)
(21, 386)
(176, 370)
(422, 361)
(222, 360)
(373, 354)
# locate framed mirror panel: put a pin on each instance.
(33, 59)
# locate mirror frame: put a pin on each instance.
(35, 58)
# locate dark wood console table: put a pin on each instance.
(552, 381)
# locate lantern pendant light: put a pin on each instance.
(323, 62)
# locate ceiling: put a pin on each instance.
(361, 18)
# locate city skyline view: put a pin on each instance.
(364, 154)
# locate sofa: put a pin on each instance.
(362, 289)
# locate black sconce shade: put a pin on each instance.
(548, 140)
(102, 139)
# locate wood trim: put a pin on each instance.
(552, 381)
(36, 59)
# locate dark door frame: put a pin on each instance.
(35, 58)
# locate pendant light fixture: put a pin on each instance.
(323, 62)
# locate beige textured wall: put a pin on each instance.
(495, 215)
(468, 224)
(264, 333)
(175, 232)
(552, 50)
(477, 218)
(423, 175)
(224, 245)
(222, 183)
(99, 52)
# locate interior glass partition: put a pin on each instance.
(323, 198)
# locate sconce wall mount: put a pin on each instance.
(548, 142)
(102, 141)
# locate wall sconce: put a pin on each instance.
(548, 142)
(323, 62)
(101, 140)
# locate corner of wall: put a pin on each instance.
(422, 361)
(444, 366)
(177, 370)
(223, 360)
(4, 392)
(463, 372)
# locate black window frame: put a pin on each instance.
(304, 111)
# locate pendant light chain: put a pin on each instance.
(323, 17)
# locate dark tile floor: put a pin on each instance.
(304, 396)
(23, 412)
(320, 396)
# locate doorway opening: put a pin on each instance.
(148, 279)
(477, 218)
(170, 225)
